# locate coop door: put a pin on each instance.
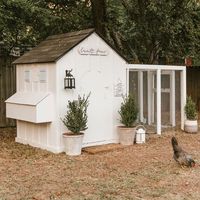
(165, 99)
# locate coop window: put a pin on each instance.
(43, 76)
(27, 76)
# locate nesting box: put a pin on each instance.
(43, 91)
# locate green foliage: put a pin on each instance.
(19, 20)
(190, 109)
(76, 118)
(27, 22)
(128, 111)
(156, 29)
(146, 31)
(152, 31)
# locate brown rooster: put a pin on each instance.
(181, 156)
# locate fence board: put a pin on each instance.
(7, 88)
(193, 84)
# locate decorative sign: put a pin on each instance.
(92, 51)
(118, 88)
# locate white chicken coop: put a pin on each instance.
(41, 98)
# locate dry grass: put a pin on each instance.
(137, 172)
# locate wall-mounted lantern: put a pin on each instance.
(69, 80)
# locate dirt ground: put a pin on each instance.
(144, 171)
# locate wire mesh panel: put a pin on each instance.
(178, 97)
(165, 109)
(145, 98)
(165, 99)
(133, 85)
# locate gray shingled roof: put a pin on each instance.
(54, 47)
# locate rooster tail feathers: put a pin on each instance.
(174, 143)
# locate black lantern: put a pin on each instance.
(69, 80)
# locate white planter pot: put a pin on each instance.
(126, 135)
(73, 144)
(191, 126)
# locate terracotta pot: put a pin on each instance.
(73, 143)
(191, 126)
(126, 135)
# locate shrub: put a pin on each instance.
(190, 109)
(128, 111)
(76, 117)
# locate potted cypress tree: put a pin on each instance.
(191, 124)
(76, 121)
(128, 114)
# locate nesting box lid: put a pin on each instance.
(27, 98)
(31, 107)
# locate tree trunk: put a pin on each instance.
(99, 15)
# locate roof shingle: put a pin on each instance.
(54, 47)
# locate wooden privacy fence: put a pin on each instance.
(7, 87)
(193, 84)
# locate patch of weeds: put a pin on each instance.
(115, 188)
(106, 196)
(128, 183)
(155, 174)
(77, 183)
(156, 192)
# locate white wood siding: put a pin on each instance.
(98, 75)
